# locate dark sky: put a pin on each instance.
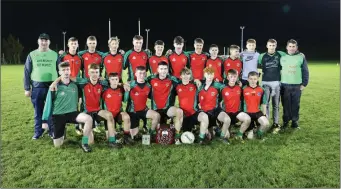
(315, 24)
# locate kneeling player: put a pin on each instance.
(113, 97)
(254, 97)
(231, 96)
(187, 95)
(62, 104)
(137, 98)
(209, 98)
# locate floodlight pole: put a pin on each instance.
(242, 40)
(64, 39)
(109, 28)
(147, 30)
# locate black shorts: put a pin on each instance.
(233, 116)
(189, 122)
(60, 121)
(163, 115)
(135, 117)
(97, 118)
(255, 117)
(213, 116)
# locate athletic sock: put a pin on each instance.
(222, 135)
(177, 134)
(112, 139)
(153, 132)
(259, 134)
(201, 136)
(85, 140)
(240, 134)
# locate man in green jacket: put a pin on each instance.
(294, 78)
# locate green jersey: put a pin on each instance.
(44, 66)
(294, 69)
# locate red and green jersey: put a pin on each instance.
(236, 64)
(177, 62)
(231, 98)
(217, 65)
(162, 91)
(133, 59)
(153, 62)
(253, 99)
(137, 96)
(113, 100)
(112, 63)
(90, 58)
(209, 99)
(197, 65)
(91, 94)
(188, 98)
(75, 62)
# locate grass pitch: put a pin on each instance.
(306, 158)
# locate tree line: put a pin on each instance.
(11, 50)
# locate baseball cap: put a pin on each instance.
(44, 36)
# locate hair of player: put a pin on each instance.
(232, 72)
(140, 68)
(93, 66)
(113, 39)
(272, 41)
(63, 65)
(159, 42)
(179, 40)
(251, 41)
(91, 38)
(72, 39)
(186, 71)
(209, 70)
(292, 41)
(162, 63)
(138, 37)
(199, 40)
(233, 47)
(253, 73)
(214, 46)
(113, 74)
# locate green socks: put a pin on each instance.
(259, 134)
(152, 132)
(222, 135)
(112, 139)
(85, 140)
(201, 136)
(240, 134)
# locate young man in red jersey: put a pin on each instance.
(255, 104)
(154, 60)
(215, 63)
(198, 59)
(178, 59)
(232, 96)
(113, 60)
(233, 61)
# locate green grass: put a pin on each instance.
(306, 158)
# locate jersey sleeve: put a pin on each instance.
(60, 58)
(282, 53)
(104, 84)
(218, 86)
(305, 72)
(126, 59)
(264, 100)
(48, 106)
(81, 81)
(27, 73)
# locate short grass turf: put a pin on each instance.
(307, 158)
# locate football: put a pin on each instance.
(187, 137)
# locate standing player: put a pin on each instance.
(62, 105)
(233, 61)
(76, 63)
(295, 77)
(135, 57)
(39, 72)
(154, 60)
(270, 63)
(198, 59)
(178, 59)
(137, 102)
(113, 61)
(231, 96)
(250, 60)
(215, 63)
(255, 104)
(188, 97)
(163, 98)
(90, 56)
(209, 99)
(113, 97)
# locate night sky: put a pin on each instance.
(315, 24)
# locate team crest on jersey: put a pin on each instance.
(86, 58)
(238, 65)
(144, 57)
(173, 59)
(96, 59)
(119, 60)
(180, 90)
(219, 64)
(62, 93)
(259, 94)
(228, 64)
(134, 57)
(136, 94)
(191, 89)
(203, 59)
(238, 92)
(155, 84)
(109, 61)
(202, 97)
(98, 91)
(119, 94)
(183, 60)
(212, 93)
(108, 96)
(77, 62)
(227, 94)
(154, 61)
(167, 84)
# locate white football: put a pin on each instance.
(187, 137)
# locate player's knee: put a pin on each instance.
(179, 113)
(204, 118)
(88, 119)
(227, 119)
(157, 116)
(125, 117)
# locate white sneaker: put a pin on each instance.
(250, 135)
